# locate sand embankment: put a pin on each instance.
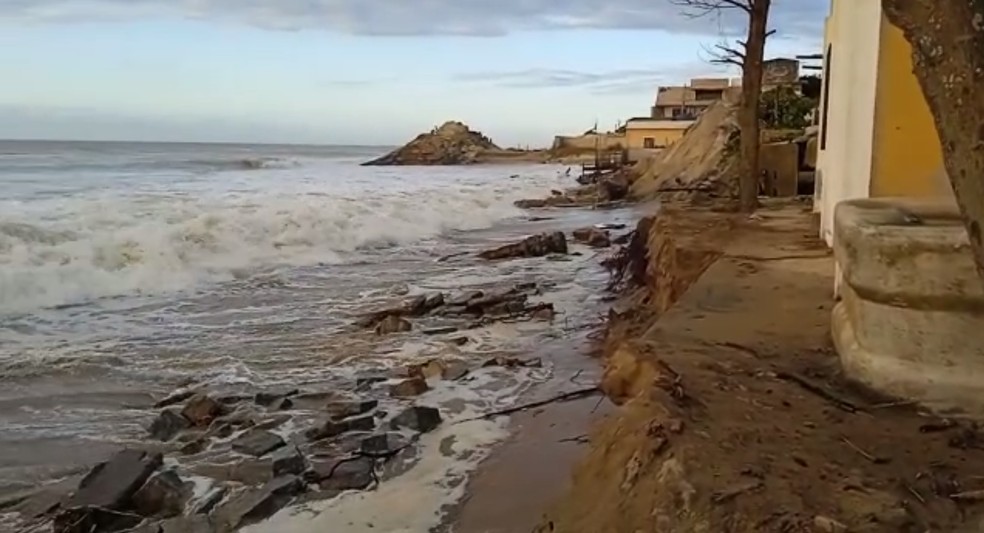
(734, 415)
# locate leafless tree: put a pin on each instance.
(749, 55)
(947, 38)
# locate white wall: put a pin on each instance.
(845, 165)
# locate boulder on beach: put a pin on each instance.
(453, 143)
(535, 246)
(593, 237)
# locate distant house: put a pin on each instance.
(650, 134)
(687, 102)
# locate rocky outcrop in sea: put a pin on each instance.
(453, 143)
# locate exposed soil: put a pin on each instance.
(734, 416)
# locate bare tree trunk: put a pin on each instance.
(947, 38)
(751, 95)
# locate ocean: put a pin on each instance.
(129, 270)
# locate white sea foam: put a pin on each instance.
(416, 501)
(152, 234)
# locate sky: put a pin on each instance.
(354, 71)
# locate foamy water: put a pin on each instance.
(80, 222)
(127, 271)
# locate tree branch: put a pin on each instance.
(700, 8)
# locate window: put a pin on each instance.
(708, 94)
(649, 142)
(826, 97)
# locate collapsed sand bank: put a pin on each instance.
(734, 415)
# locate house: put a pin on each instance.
(910, 303)
(877, 136)
(647, 133)
(687, 102)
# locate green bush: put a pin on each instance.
(784, 108)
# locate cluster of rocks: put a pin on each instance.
(453, 143)
(606, 190)
(472, 305)
(554, 243)
(263, 471)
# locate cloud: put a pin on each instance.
(617, 81)
(792, 18)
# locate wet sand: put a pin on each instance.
(532, 470)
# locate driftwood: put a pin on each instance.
(807, 385)
(566, 397)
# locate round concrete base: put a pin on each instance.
(911, 318)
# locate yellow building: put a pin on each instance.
(645, 133)
(877, 137)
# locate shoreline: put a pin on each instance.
(733, 413)
(526, 473)
(28, 500)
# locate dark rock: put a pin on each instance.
(342, 445)
(288, 461)
(510, 307)
(531, 203)
(274, 400)
(246, 471)
(164, 494)
(593, 237)
(372, 319)
(384, 444)
(273, 422)
(111, 485)
(527, 286)
(363, 383)
(418, 418)
(393, 324)
(231, 399)
(440, 331)
(455, 371)
(34, 503)
(409, 388)
(608, 226)
(460, 341)
(253, 505)
(207, 503)
(333, 427)
(257, 442)
(223, 430)
(430, 369)
(89, 519)
(174, 399)
(513, 362)
(189, 524)
(480, 305)
(416, 306)
(343, 474)
(341, 410)
(201, 410)
(464, 298)
(243, 416)
(544, 313)
(146, 527)
(613, 188)
(433, 301)
(167, 425)
(535, 246)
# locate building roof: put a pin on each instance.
(656, 124)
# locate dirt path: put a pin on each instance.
(734, 414)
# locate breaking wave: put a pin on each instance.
(110, 246)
